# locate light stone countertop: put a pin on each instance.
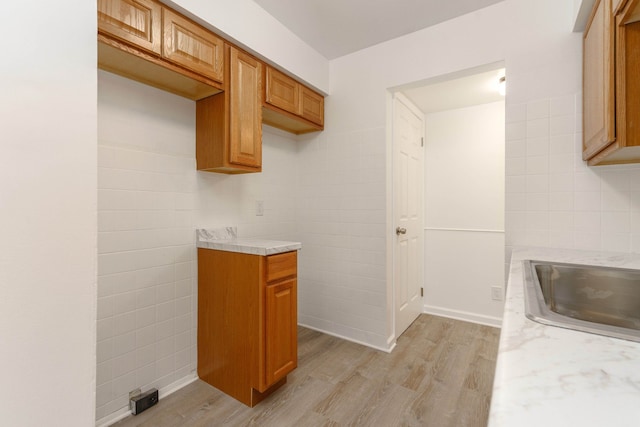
(550, 376)
(225, 239)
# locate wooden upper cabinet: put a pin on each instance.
(179, 56)
(229, 124)
(245, 110)
(290, 105)
(611, 112)
(311, 106)
(149, 42)
(598, 81)
(137, 22)
(191, 46)
(281, 90)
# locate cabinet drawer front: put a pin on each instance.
(191, 46)
(312, 106)
(134, 21)
(281, 91)
(282, 265)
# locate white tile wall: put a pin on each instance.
(553, 198)
(341, 217)
(150, 201)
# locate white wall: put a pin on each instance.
(553, 198)
(48, 213)
(543, 60)
(49, 117)
(464, 212)
(150, 201)
(48, 260)
(341, 222)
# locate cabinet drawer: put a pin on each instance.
(191, 46)
(134, 21)
(282, 265)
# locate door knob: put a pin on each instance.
(400, 230)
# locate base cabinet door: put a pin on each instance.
(280, 330)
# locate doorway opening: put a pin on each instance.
(460, 249)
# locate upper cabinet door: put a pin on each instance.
(245, 109)
(311, 106)
(598, 81)
(282, 91)
(134, 21)
(192, 47)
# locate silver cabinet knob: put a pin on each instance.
(400, 230)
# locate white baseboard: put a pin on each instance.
(463, 315)
(386, 350)
(162, 393)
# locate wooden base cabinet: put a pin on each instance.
(247, 322)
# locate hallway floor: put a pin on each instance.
(440, 375)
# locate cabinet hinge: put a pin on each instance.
(421, 292)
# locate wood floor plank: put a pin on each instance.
(386, 407)
(440, 374)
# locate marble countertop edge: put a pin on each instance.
(552, 376)
(225, 239)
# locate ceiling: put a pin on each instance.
(338, 27)
(476, 89)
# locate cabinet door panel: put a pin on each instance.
(281, 334)
(312, 106)
(598, 82)
(245, 132)
(282, 91)
(134, 21)
(192, 47)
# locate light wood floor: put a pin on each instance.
(439, 375)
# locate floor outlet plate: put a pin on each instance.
(144, 401)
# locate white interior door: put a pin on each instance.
(408, 161)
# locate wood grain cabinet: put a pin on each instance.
(137, 22)
(191, 46)
(145, 41)
(290, 105)
(229, 124)
(611, 113)
(247, 322)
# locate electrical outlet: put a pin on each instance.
(496, 293)
(259, 207)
